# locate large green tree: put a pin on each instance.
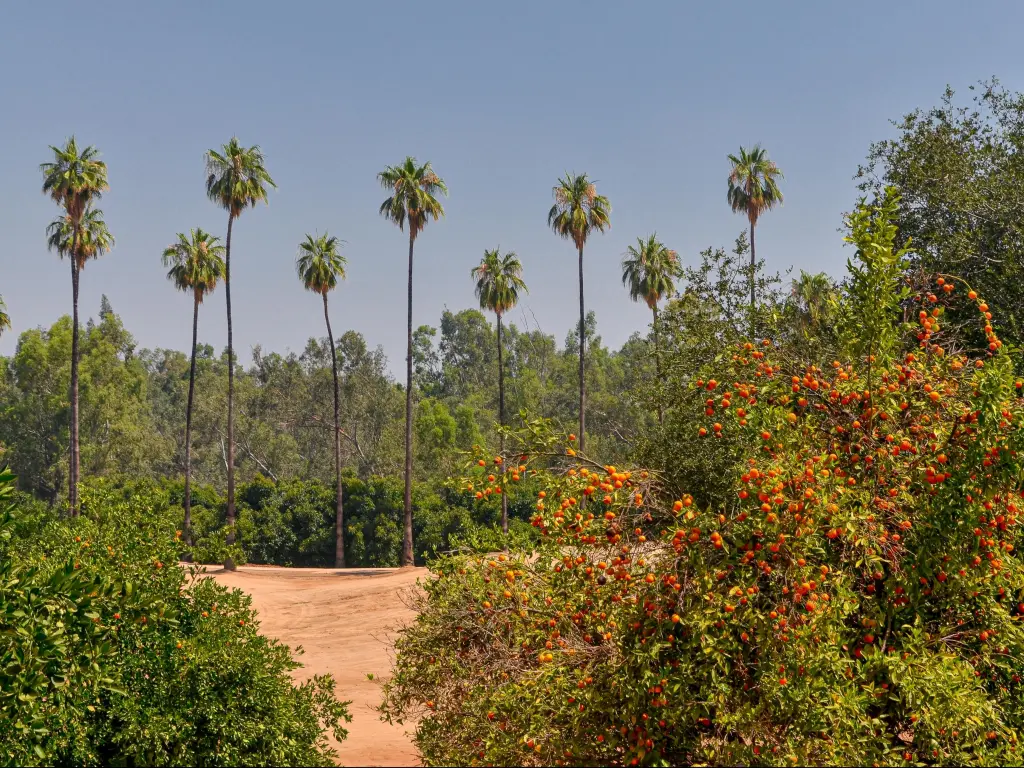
(649, 271)
(236, 179)
(117, 430)
(414, 190)
(753, 189)
(320, 265)
(195, 265)
(499, 279)
(74, 179)
(577, 212)
(959, 170)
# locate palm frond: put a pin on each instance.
(320, 264)
(499, 281)
(75, 178)
(578, 210)
(195, 262)
(649, 270)
(5, 319)
(753, 183)
(237, 177)
(414, 195)
(93, 236)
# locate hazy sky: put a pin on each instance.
(648, 98)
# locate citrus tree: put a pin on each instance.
(855, 599)
(111, 654)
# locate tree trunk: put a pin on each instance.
(753, 299)
(229, 564)
(501, 422)
(188, 427)
(339, 512)
(75, 454)
(407, 554)
(657, 366)
(583, 344)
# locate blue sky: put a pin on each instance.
(646, 97)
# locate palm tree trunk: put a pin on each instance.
(339, 512)
(753, 299)
(583, 344)
(501, 422)
(657, 366)
(75, 456)
(229, 564)
(407, 556)
(188, 426)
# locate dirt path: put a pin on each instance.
(342, 620)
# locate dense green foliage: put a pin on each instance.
(960, 173)
(133, 407)
(113, 655)
(852, 592)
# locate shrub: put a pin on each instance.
(113, 654)
(856, 599)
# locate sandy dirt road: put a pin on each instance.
(342, 620)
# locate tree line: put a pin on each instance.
(237, 179)
(972, 144)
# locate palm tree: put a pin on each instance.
(5, 319)
(320, 265)
(196, 263)
(753, 189)
(649, 270)
(810, 296)
(499, 279)
(578, 211)
(74, 179)
(235, 179)
(90, 239)
(414, 190)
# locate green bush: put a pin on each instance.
(111, 654)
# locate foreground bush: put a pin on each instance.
(111, 654)
(857, 599)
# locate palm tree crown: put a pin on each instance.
(5, 319)
(74, 178)
(649, 270)
(320, 264)
(236, 177)
(753, 186)
(195, 262)
(414, 191)
(578, 209)
(94, 239)
(810, 297)
(499, 279)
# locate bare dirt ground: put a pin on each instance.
(343, 621)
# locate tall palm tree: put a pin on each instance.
(649, 270)
(578, 210)
(73, 180)
(499, 279)
(753, 189)
(414, 191)
(195, 263)
(235, 179)
(5, 319)
(90, 239)
(320, 266)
